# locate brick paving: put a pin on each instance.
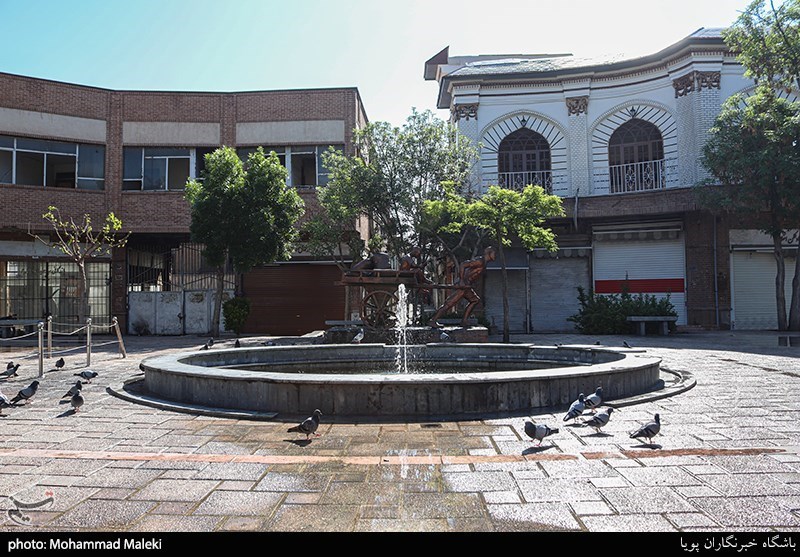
(728, 457)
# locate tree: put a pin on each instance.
(753, 150)
(504, 214)
(81, 242)
(243, 213)
(394, 172)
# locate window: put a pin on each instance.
(636, 157)
(524, 159)
(54, 164)
(304, 163)
(157, 168)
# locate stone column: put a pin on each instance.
(578, 137)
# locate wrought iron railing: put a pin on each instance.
(518, 180)
(637, 176)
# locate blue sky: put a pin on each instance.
(379, 46)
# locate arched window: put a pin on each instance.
(524, 159)
(636, 157)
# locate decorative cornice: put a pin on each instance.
(577, 105)
(465, 111)
(695, 81)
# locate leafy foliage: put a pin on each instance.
(606, 314)
(235, 312)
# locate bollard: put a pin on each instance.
(88, 341)
(49, 337)
(115, 323)
(41, 349)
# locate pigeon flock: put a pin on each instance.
(25, 396)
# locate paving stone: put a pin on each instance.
(532, 517)
(478, 481)
(103, 514)
(562, 490)
(176, 490)
(240, 503)
(662, 475)
(314, 518)
(243, 523)
(733, 485)
(121, 477)
(583, 508)
(736, 512)
(640, 500)
(691, 521)
(438, 505)
(400, 525)
(292, 482)
(636, 523)
(232, 471)
(498, 497)
(172, 523)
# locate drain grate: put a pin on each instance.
(431, 426)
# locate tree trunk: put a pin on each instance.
(780, 279)
(794, 308)
(504, 271)
(218, 300)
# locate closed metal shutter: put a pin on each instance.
(554, 288)
(650, 266)
(517, 300)
(292, 299)
(753, 277)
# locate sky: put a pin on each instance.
(379, 46)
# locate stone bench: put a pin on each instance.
(642, 320)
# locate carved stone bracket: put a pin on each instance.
(696, 81)
(577, 105)
(465, 111)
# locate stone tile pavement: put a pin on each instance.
(729, 457)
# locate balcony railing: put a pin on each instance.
(518, 180)
(637, 176)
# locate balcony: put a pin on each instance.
(637, 176)
(518, 180)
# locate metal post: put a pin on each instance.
(88, 341)
(119, 337)
(49, 337)
(41, 348)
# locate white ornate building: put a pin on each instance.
(620, 141)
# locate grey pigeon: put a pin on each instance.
(77, 401)
(595, 399)
(625, 344)
(11, 371)
(358, 338)
(87, 374)
(60, 363)
(27, 393)
(237, 344)
(9, 365)
(204, 347)
(539, 431)
(308, 426)
(648, 430)
(599, 420)
(4, 403)
(576, 408)
(75, 389)
(210, 342)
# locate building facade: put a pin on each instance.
(92, 150)
(620, 141)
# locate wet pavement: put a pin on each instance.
(727, 458)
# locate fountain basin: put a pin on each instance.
(484, 378)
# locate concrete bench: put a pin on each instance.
(642, 320)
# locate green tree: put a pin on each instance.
(394, 171)
(80, 242)
(753, 150)
(243, 213)
(503, 214)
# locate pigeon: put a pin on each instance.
(27, 393)
(576, 408)
(358, 338)
(539, 431)
(268, 343)
(9, 365)
(595, 399)
(444, 337)
(210, 342)
(599, 420)
(308, 426)
(77, 401)
(597, 343)
(4, 403)
(237, 344)
(75, 389)
(87, 374)
(204, 347)
(648, 430)
(60, 363)
(11, 371)
(625, 344)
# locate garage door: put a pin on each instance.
(517, 300)
(554, 288)
(650, 266)
(292, 299)
(753, 277)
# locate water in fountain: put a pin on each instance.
(401, 326)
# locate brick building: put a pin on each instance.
(93, 150)
(620, 141)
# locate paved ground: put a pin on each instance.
(729, 458)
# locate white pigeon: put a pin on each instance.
(358, 338)
(308, 426)
(599, 420)
(576, 408)
(595, 399)
(648, 430)
(4, 403)
(539, 431)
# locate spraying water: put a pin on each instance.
(401, 325)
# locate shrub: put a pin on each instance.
(235, 312)
(605, 314)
